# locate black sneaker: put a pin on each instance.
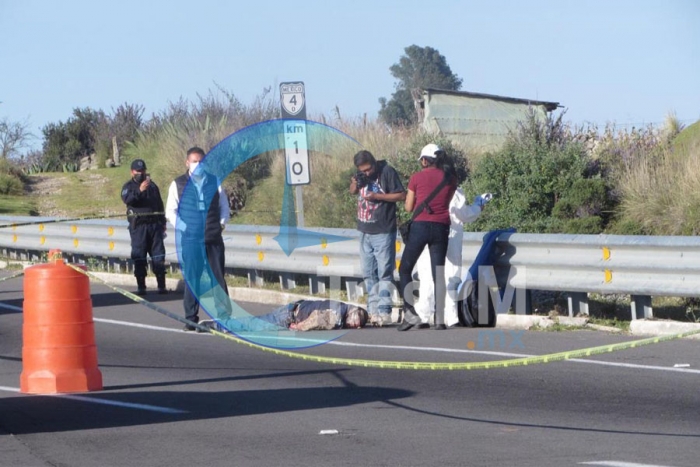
(162, 291)
(141, 292)
(189, 328)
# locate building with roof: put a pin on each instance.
(476, 122)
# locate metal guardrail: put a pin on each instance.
(640, 266)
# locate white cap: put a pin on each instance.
(429, 151)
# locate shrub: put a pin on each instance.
(543, 181)
(10, 185)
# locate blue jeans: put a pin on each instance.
(378, 260)
(434, 235)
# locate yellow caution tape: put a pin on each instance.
(400, 365)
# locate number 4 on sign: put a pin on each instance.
(292, 100)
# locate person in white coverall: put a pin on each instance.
(460, 213)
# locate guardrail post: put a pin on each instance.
(287, 281)
(354, 290)
(255, 279)
(578, 303)
(317, 285)
(641, 307)
(527, 306)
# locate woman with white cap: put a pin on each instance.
(460, 213)
(429, 191)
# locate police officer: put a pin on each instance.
(144, 209)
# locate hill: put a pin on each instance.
(688, 140)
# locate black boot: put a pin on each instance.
(141, 285)
(161, 284)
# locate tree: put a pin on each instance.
(419, 68)
(125, 123)
(66, 143)
(14, 136)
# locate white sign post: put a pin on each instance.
(293, 103)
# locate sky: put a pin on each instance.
(610, 61)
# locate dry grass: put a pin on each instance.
(661, 194)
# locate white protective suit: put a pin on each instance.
(460, 213)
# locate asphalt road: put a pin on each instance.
(172, 398)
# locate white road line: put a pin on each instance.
(95, 400)
(429, 349)
(11, 307)
(137, 325)
(620, 464)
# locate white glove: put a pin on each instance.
(482, 199)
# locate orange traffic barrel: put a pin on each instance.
(58, 352)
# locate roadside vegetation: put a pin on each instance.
(548, 178)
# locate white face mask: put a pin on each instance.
(193, 166)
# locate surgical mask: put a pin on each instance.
(193, 166)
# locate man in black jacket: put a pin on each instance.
(199, 214)
(144, 209)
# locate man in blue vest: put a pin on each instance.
(198, 208)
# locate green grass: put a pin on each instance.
(92, 193)
(13, 266)
(18, 206)
(556, 327)
(688, 139)
(612, 323)
(264, 207)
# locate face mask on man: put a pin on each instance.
(193, 166)
(139, 178)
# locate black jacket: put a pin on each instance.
(139, 203)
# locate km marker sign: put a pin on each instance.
(293, 102)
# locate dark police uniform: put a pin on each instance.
(146, 229)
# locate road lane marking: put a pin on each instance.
(137, 325)
(96, 400)
(621, 464)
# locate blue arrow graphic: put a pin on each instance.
(239, 147)
(291, 237)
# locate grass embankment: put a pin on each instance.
(660, 192)
(91, 193)
(18, 205)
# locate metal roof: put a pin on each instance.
(550, 106)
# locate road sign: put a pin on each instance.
(293, 103)
(293, 100)
(296, 152)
